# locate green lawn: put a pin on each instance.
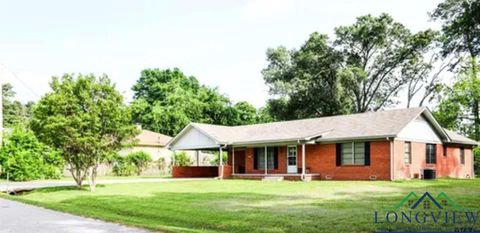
(249, 206)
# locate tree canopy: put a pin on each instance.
(166, 101)
(85, 118)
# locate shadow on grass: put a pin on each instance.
(245, 211)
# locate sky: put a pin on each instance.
(221, 43)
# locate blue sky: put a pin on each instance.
(222, 43)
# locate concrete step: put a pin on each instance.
(272, 178)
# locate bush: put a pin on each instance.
(182, 159)
(140, 159)
(24, 158)
(133, 163)
(162, 164)
(123, 167)
(216, 158)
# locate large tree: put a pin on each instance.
(376, 50)
(304, 82)
(166, 101)
(85, 118)
(14, 112)
(461, 37)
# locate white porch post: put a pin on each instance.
(233, 160)
(265, 155)
(197, 153)
(303, 161)
(221, 163)
(173, 158)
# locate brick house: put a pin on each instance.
(386, 145)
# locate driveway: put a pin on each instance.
(19, 217)
(23, 186)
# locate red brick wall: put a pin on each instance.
(184, 172)
(446, 165)
(321, 158)
(227, 171)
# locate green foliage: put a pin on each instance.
(460, 27)
(85, 118)
(24, 158)
(166, 101)
(458, 109)
(14, 112)
(182, 159)
(123, 166)
(305, 82)
(363, 70)
(216, 158)
(376, 50)
(140, 159)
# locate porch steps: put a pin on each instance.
(272, 178)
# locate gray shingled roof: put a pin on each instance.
(457, 138)
(364, 125)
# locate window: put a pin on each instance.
(407, 152)
(431, 152)
(462, 155)
(259, 158)
(353, 153)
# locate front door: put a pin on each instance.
(292, 159)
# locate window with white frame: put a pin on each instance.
(407, 152)
(353, 153)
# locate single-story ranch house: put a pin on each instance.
(385, 145)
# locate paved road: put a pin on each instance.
(18, 217)
(15, 186)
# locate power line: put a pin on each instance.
(21, 81)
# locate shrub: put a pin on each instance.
(216, 159)
(162, 164)
(24, 158)
(123, 167)
(140, 159)
(182, 159)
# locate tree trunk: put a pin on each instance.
(92, 181)
(77, 176)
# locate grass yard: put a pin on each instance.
(248, 206)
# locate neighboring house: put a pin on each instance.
(385, 145)
(155, 144)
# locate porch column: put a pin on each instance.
(197, 153)
(233, 160)
(265, 155)
(221, 163)
(173, 158)
(303, 161)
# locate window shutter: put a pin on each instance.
(339, 154)
(434, 153)
(427, 150)
(367, 153)
(275, 158)
(255, 159)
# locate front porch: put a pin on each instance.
(285, 176)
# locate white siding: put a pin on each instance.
(419, 130)
(193, 139)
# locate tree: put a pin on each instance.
(376, 49)
(14, 112)
(461, 28)
(24, 158)
(456, 111)
(461, 35)
(166, 101)
(85, 118)
(304, 82)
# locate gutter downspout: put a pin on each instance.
(392, 155)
